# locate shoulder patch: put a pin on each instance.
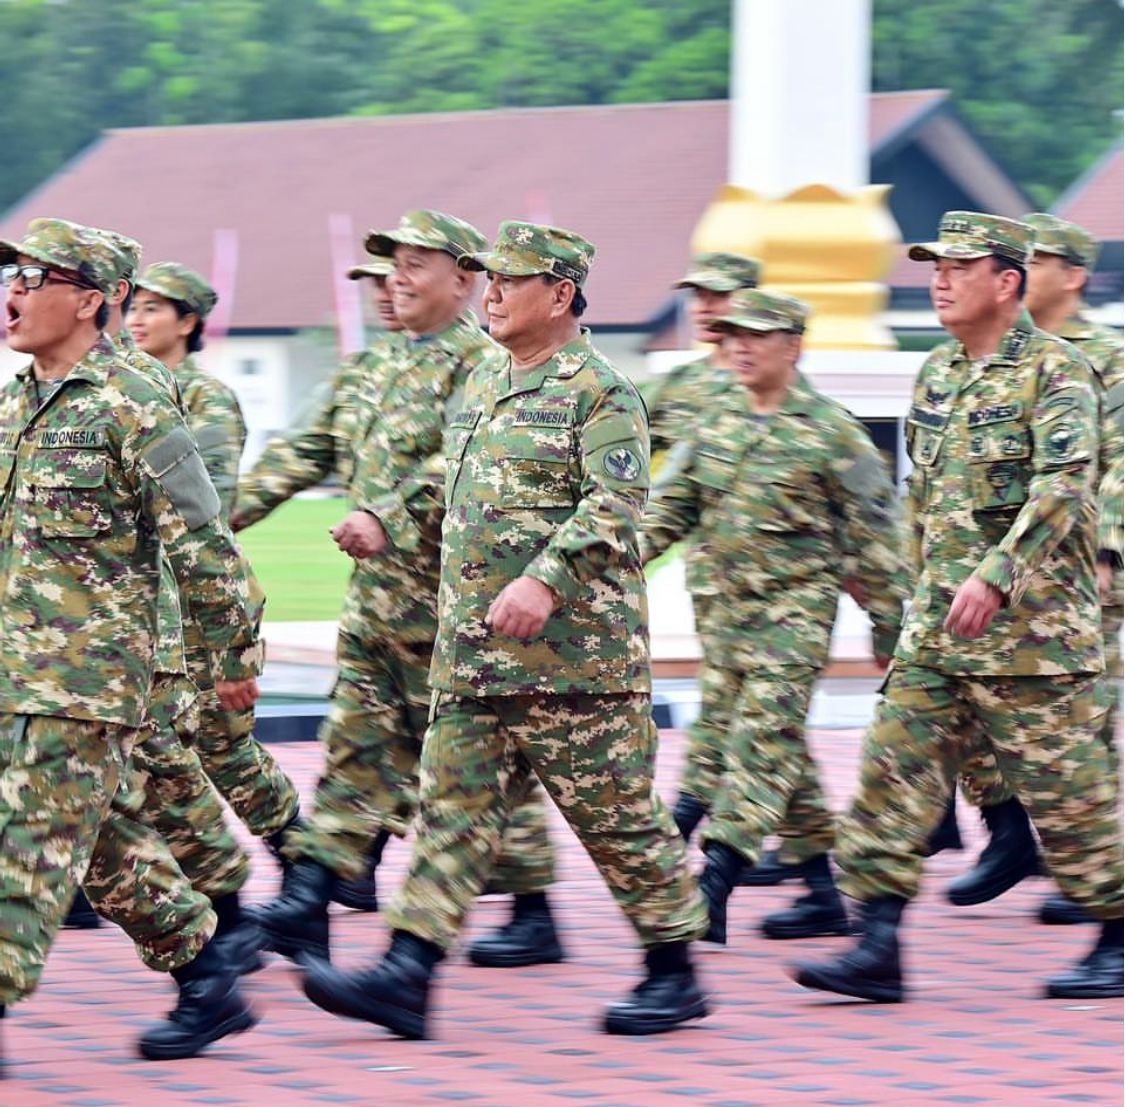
(622, 464)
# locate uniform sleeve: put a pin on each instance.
(414, 510)
(675, 506)
(180, 504)
(215, 418)
(614, 458)
(1064, 432)
(298, 459)
(1110, 490)
(869, 531)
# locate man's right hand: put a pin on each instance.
(360, 535)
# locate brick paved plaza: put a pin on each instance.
(974, 1031)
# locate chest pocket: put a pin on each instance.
(999, 456)
(715, 469)
(535, 470)
(927, 435)
(68, 494)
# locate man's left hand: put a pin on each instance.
(522, 608)
(237, 695)
(360, 535)
(973, 608)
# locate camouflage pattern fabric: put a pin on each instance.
(981, 781)
(245, 773)
(57, 777)
(528, 249)
(1005, 458)
(785, 509)
(77, 472)
(84, 250)
(546, 475)
(1042, 731)
(780, 510)
(595, 755)
(177, 282)
(771, 784)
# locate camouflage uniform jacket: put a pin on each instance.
(94, 483)
(215, 420)
(170, 656)
(673, 412)
(546, 474)
(1102, 348)
(1003, 487)
(783, 508)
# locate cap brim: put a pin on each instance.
(931, 251)
(750, 323)
(712, 282)
(382, 243)
(358, 272)
(500, 263)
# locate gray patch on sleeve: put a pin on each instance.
(206, 437)
(1115, 398)
(175, 462)
(867, 477)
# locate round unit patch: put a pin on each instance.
(622, 464)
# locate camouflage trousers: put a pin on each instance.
(771, 783)
(242, 770)
(982, 783)
(372, 741)
(58, 778)
(1043, 732)
(595, 756)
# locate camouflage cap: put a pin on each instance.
(380, 267)
(754, 309)
(66, 245)
(432, 230)
(178, 282)
(721, 272)
(126, 253)
(1053, 235)
(528, 249)
(973, 234)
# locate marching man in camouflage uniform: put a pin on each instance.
(1063, 259)
(99, 475)
(787, 500)
(1002, 643)
(675, 410)
(541, 662)
(384, 421)
(166, 319)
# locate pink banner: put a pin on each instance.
(349, 308)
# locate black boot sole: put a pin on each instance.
(993, 890)
(1070, 915)
(635, 1027)
(340, 997)
(792, 931)
(524, 958)
(81, 921)
(346, 896)
(1093, 991)
(874, 991)
(277, 941)
(236, 1024)
(768, 878)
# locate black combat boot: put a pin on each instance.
(395, 993)
(1099, 974)
(769, 871)
(667, 997)
(359, 894)
(688, 814)
(820, 914)
(871, 970)
(1057, 910)
(297, 921)
(237, 936)
(529, 939)
(947, 834)
(1010, 856)
(81, 915)
(210, 1007)
(716, 882)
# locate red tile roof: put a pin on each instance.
(633, 178)
(1096, 200)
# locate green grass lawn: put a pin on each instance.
(303, 573)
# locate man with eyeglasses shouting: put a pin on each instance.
(98, 474)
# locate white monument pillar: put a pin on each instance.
(800, 78)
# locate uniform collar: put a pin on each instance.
(94, 366)
(563, 364)
(1077, 326)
